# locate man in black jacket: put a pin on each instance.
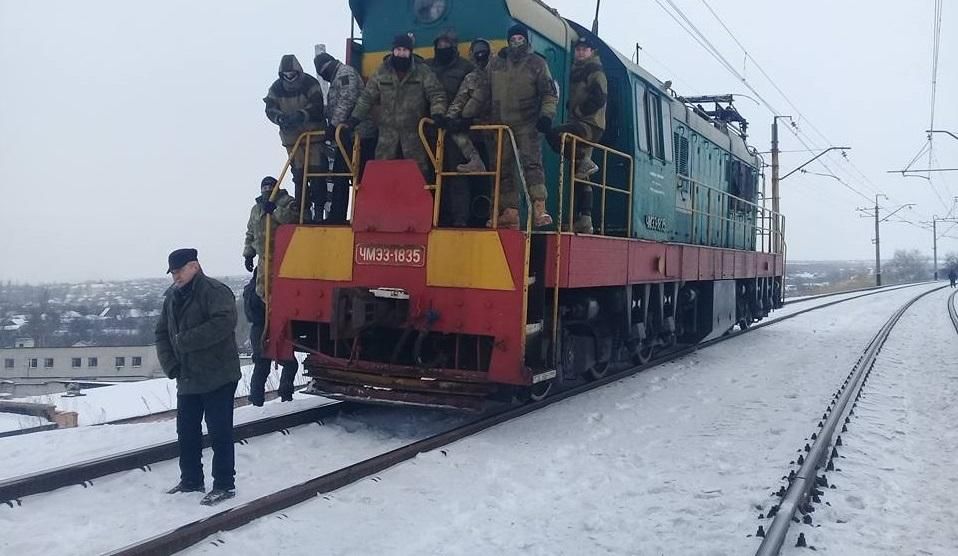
(196, 346)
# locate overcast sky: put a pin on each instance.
(128, 129)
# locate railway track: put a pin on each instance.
(858, 290)
(952, 312)
(83, 473)
(816, 458)
(192, 533)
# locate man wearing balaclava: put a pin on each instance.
(524, 97)
(295, 104)
(451, 68)
(345, 86)
(405, 90)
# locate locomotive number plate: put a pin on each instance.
(393, 255)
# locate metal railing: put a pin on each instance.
(437, 158)
(305, 140)
(574, 143)
(750, 225)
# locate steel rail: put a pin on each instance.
(805, 479)
(192, 533)
(13, 489)
(952, 312)
(855, 290)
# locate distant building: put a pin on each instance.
(84, 363)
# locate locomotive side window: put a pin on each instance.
(642, 140)
(666, 128)
(653, 118)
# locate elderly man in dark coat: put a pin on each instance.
(196, 345)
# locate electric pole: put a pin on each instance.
(934, 234)
(776, 210)
(877, 244)
(878, 220)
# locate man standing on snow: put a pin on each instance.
(196, 346)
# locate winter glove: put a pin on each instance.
(295, 118)
(281, 119)
(352, 122)
(269, 207)
(249, 264)
(544, 124)
(442, 122)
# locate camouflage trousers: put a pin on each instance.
(465, 144)
(403, 143)
(583, 152)
(529, 145)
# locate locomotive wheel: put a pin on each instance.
(538, 392)
(598, 370)
(642, 355)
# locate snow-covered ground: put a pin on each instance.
(49, 449)
(15, 422)
(899, 460)
(126, 507)
(137, 399)
(677, 460)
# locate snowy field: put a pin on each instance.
(677, 460)
(680, 459)
(898, 461)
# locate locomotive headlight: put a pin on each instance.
(429, 11)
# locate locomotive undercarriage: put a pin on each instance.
(600, 330)
(604, 330)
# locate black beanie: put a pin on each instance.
(268, 181)
(321, 60)
(518, 29)
(402, 40)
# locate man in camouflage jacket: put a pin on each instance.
(294, 102)
(588, 95)
(525, 98)
(345, 88)
(405, 90)
(283, 210)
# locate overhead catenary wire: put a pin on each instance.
(689, 27)
(861, 176)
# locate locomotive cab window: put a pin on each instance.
(642, 140)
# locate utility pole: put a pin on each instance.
(934, 234)
(776, 209)
(878, 221)
(877, 244)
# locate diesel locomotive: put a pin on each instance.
(394, 308)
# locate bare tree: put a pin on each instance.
(907, 266)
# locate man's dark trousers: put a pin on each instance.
(217, 408)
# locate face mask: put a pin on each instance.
(401, 64)
(482, 58)
(517, 41)
(289, 75)
(446, 54)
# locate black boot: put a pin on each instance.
(257, 382)
(217, 495)
(182, 487)
(286, 379)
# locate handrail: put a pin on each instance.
(352, 164)
(772, 236)
(604, 186)
(437, 159)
